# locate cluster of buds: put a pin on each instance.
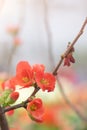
(69, 58)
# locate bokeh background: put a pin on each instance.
(44, 29)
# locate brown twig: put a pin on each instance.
(23, 104)
(58, 66)
(70, 47)
(69, 102)
(54, 72)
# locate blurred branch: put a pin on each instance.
(21, 22)
(48, 32)
(3, 121)
(70, 47)
(10, 58)
(69, 102)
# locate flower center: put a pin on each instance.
(33, 107)
(25, 79)
(44, 81)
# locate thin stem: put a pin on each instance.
(3, 121)
(12, 52)
(69, 103)
(70, 47)
(21, 23)
(58, 66)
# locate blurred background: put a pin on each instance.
(38, 31)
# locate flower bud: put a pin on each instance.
(12, 98)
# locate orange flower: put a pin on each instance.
(38, 68)
(24, 75)
(36, 110)
(46, 81)
(25, 79)
(27, 76)
(22, 65)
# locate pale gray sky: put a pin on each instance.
(65, 18)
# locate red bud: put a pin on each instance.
(14, 95)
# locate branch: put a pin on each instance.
(58, 66)
(10, 58)
(3, 121)
(23, 104)
(70, 47)
(21, 23)
(69, 103)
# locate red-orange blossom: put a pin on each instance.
(27, 76)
